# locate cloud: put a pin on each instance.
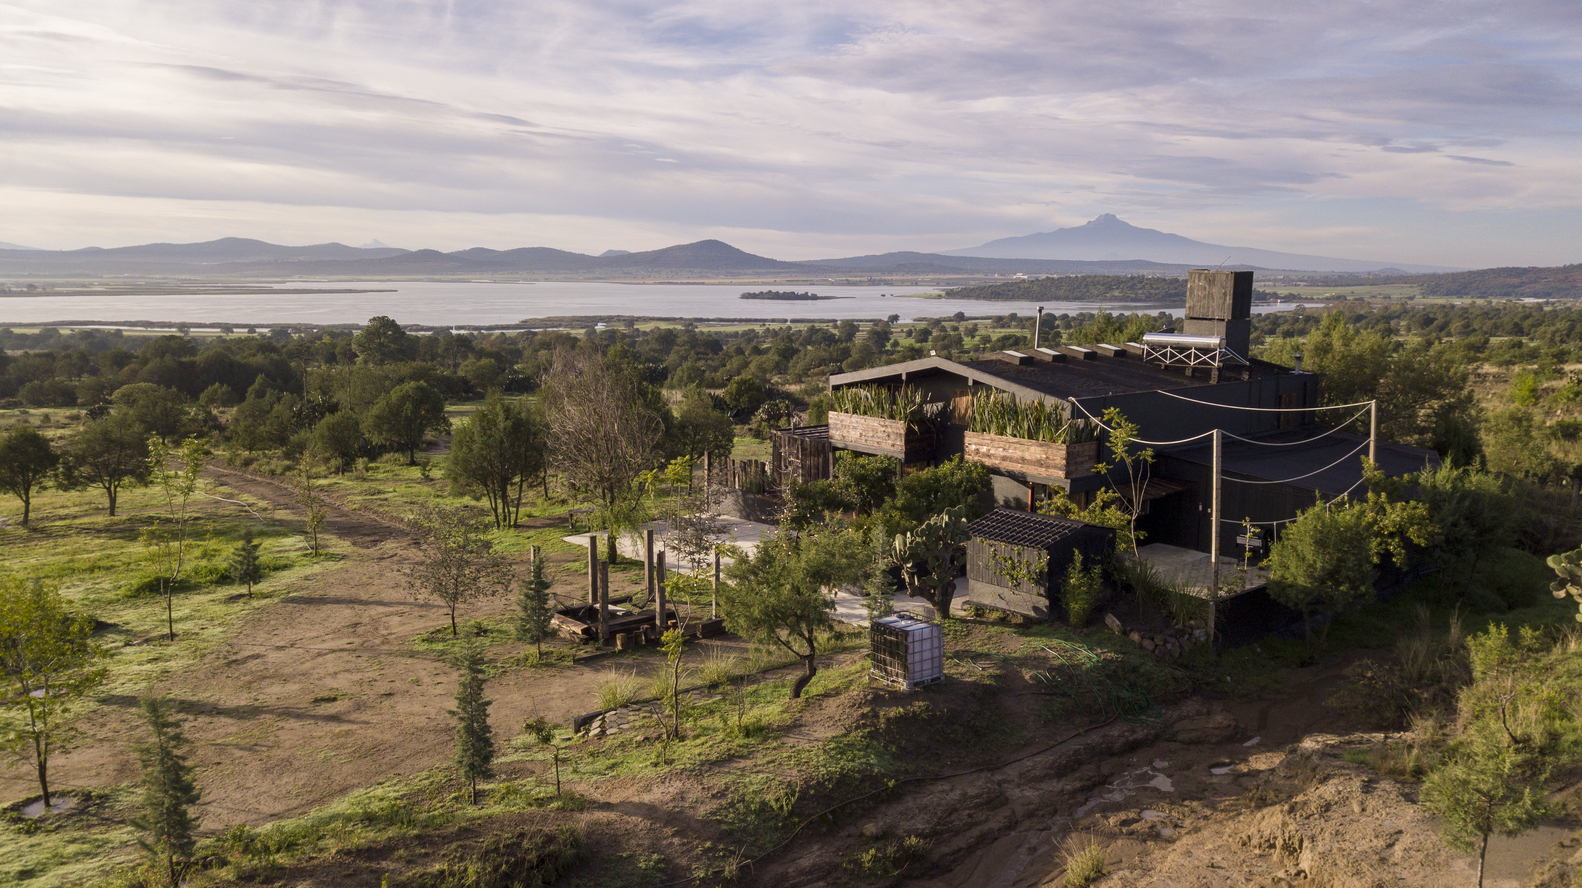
(915, 122)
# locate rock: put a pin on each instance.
(1114, 624)
(872, 831)
(1136, 636)
(1148, 644)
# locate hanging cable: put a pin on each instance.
(1267, 409)
(1289, 520)
(1100, 424)
(1341, 427)
(1337, 462)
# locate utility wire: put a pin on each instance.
(1337, 462)
(1267, 409)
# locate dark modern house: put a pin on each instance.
(1278, 455)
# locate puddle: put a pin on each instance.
(1129, 784)
(60, 805)
(1221, 772)
(1252, 742)
(1151, 814)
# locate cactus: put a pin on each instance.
(1569, 566)
(928, 558)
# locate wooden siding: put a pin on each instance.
(1032, 460)
(870, 434)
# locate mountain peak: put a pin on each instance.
(1107, 220)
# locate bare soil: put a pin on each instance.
(322, 692)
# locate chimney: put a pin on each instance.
(1298, 367)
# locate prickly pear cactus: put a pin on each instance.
(928, 558)
(1569, 566)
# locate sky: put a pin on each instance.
(1430, 131)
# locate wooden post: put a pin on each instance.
(1373, 431)
(659, 592)
(648, 564)
(1213, 536)
(604, 603)
(708, 466)
(593, 568)
(714, 594)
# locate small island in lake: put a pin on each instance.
(786, 295)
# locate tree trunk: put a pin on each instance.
(170, 616)
(111, 492)
(43, 780)
(810, 662)
(453, 632)
(610, 554)
(27, 507)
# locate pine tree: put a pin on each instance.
(245, 567)
(534, 609)
(878, 584)
(474, 738)
(169, 792)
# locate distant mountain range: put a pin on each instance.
(1106, 245)
(1108, 237)
(242, 257)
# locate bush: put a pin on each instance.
(1084, 589)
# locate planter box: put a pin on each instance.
(889, 437)
(1031, 460)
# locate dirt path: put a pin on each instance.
(360, 530)
(321, 692)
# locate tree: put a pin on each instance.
(1324, 561)
(600, 431)
(1128, 473)
(382, 341)
(782, 594)
(1485, 787)
(167, 536)
(245, 566)
(48, 662)
(400, 419)
(922, 495)
(878, 584)
(169, 792)
(474, 738)
(543, 733)
(927, 557)
(310, 496)
(494, 454)
(700, 429)
(535, 611)
(26, 461)
(339, 437)
(109, 454)
(456, 562)
(156, 409)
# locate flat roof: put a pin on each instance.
(1331, 465)
(1061, 380)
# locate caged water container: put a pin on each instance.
(906, 652)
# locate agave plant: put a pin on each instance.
(1000, 413)
(1568, 566)
(903, 404)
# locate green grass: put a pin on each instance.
(69, 851)
(103, 569)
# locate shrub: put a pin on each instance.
(1084, 589)
(618, 689)
(1084, 860)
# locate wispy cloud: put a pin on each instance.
(797, 129)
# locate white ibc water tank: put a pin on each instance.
(906, 652)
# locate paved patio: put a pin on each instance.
(1190, 569)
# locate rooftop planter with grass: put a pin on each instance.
(890, 421)
(1034, 441)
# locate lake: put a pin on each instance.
(466, 303)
